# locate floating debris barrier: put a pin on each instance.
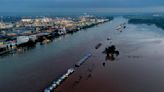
(54, 84)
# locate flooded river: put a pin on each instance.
(34, 70)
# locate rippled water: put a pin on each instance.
(138, 68)
(33, 70)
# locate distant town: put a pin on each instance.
(25, 32)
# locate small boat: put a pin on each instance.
(121, 27)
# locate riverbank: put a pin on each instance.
(39, 66)
(27, 41)
(34, 70)
(138, 68)
(27, 32)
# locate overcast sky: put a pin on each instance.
(92, 5)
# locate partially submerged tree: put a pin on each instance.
(110, 52)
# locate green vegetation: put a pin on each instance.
(158, 21)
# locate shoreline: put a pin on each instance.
(55, 59)
(127, 73)
(49, 37)
(131, 71)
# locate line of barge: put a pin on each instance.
(57, 83)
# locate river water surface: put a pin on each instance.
(33, 70)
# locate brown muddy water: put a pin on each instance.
(138, 68)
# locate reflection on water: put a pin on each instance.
(139, 69)
(43, 63)
(111, 54)
(17, 51)
(24, 49)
